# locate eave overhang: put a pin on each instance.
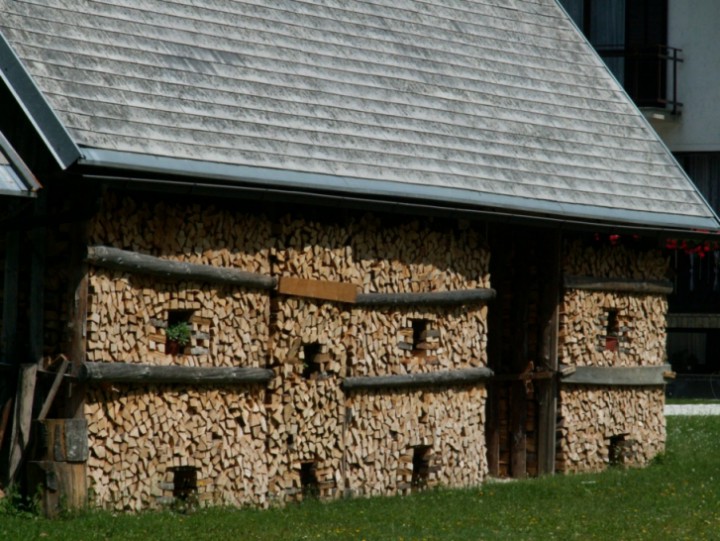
(35, 107)
(206, 178)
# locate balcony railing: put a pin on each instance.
(649, 74)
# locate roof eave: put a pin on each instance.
(35, 107)
(209, 175)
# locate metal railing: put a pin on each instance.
(650, 74)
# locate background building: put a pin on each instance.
(666, 57)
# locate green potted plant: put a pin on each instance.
(177, 336)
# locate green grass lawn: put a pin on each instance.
(678, 497)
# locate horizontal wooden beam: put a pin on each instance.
(127, 261)
(146, 373)
(449, 377)
(591, 283)
(433, 298)
(618, 375)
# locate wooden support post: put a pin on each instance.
(9, 342)
(53, 390)
(8, 337)
(22, 419)
(77, 319)
(519, 355)
(492, 430)
(550, 269)
(37, 284)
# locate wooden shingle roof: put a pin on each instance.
(490, 103)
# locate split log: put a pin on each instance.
(448, 377)
(618, 375)
(591, 283)
(23, 418)
(433, 298)
(145, 373)
(123, 260)
(54, 389)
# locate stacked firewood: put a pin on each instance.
(195, 233)
(139, 435)
(385, 431)
(638, 329)
(303, 434)
(602, 425)
(383, 257)
(608, 261)
(128, 318)
(310, 346)
(611, 329)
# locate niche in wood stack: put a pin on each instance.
(612, 330)
(308, 480)
(178, 332)
(185, 484)
(311, 360)
(421, 466)
(620, 450)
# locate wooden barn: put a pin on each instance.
(255, 251)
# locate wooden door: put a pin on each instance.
(521, 409)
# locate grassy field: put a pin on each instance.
(678, 497)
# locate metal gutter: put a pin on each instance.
(199, 177)
(37, 110)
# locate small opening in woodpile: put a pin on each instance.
(617, 450)
(421, 466)
(612, 331)
(178, 331)
(419, 329)
(185, 483)
(310, 364)
(308, 480)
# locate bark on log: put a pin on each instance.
(123, 260)
(589, 283)
(145, 373)
(434, 298)
(448, 377)
(618, 375)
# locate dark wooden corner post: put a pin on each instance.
(64, 475)
(549, 314)
(77, 318)
(9, 345)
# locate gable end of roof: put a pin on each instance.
(36, 109)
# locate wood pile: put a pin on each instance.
(139, 434)
(195, 233)
(385, 428)
(593, 417)
(302, 435)
(611, 329)
(128, 316)
(310, 343)
(640, 329)
(607, 261)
